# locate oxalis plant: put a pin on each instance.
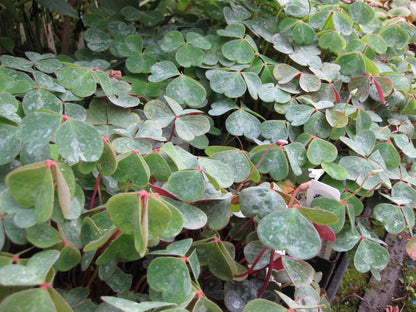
(166, 166)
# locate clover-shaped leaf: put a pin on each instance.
(188, 185)
(241, 123)
(260, 201)
(362, 143)
(79, 80)
(370, 256)
(132, 168)
(333, 41)
(231, 84)
(186, 90)
(37, 129)
(320, 151)
(288, 229)
(33, 273)
(79, 141)
(171, 277)
(238, 50)
(162, 71)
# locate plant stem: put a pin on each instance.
(249, 221)
(269, 274)
(300, 188)
(256, 166)
(94, 194)
(94, 275)
(253, 265)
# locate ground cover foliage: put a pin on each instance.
(165, 165)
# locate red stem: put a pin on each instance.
(269, 274)
(94, 194)
(240, 229)
(253, 265)
(173, 130)
(404, 236)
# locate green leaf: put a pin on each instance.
(172, 40)
(391, 216)
(68, 259)
(140, 64)
(284, 73)
(358, 168)
(288, 229)
(193, 218)
(300, 272)
(238, 50)
(406, 146)
(237, 161)
(107, 164)
(362, 143)
(342, 23)
(334, 206)
(79, 80)
(361, 12)
(296, 154)
(352, 64)
(79, 141)
(243, 123)
(16, 63)
(297, 8)
(260, 201)
(162, 71)
(206, 305)
(158, 111)
(303, 33)
(333, 41)
(178, 248)
(46, 82)
(171, 277)
(132, 306)
(320, 151)
(259, 305)
(33, 273)
(8, 137)
(131, 46)
(32, 186)
(186, 90)
(28, 300)
(274, 163)
(233, 30)
(41, 99)
(60, 6)
(189, 126)
(37, 129)
(335, 171)
(319, 216)
(97, 40)
(187, 185)
(132, 168)
(222, 173)
(115, 277)
(231, 84)
(299, 114)
(377, 43)
(43, 235)
(395, 36)
(370, 256)
(389, 153)
(159, 168)
(336, 118)
(125, 210)
(309, 83)
(188, 56)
